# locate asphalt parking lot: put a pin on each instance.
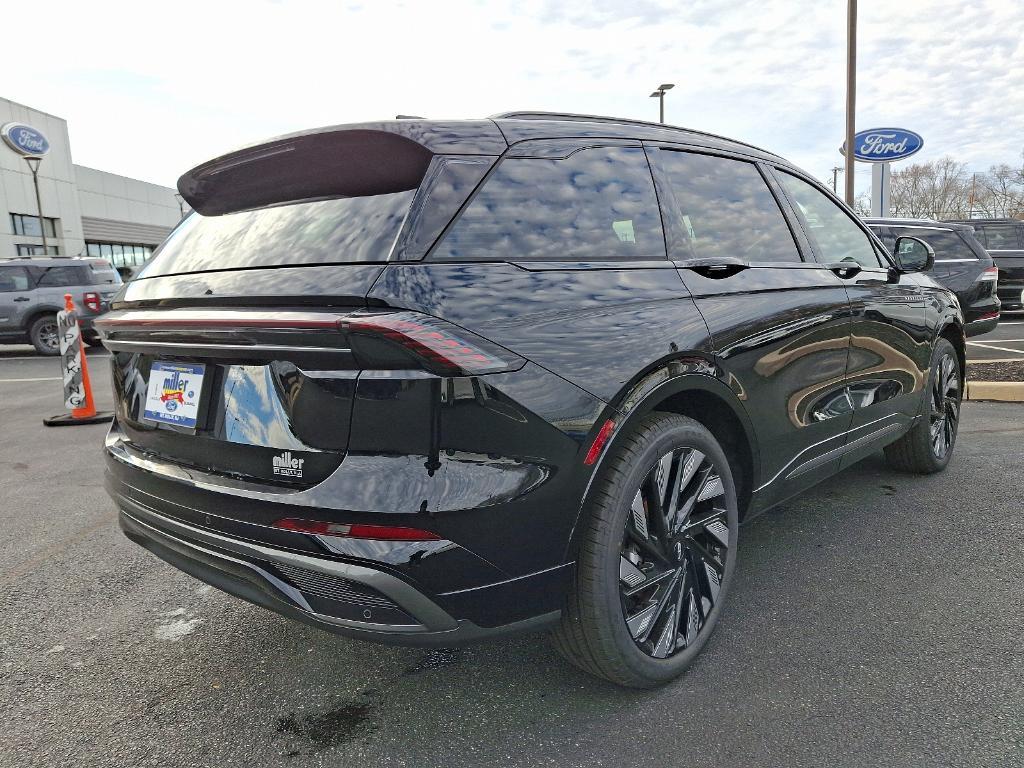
(875, 621)
(1006, 342)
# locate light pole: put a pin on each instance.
(33, 165)
(851, 93)
(660, 96)
(836, 170)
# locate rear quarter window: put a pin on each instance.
(1000, 237)
(598, 203)
(61, 277)
(948, 245)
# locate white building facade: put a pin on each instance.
(86, 212)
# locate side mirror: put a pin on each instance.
(913, 255)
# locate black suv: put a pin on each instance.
(426, 382)
(1004, 240)
(961, 264)
(32, 293)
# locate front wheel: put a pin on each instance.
(657, 555)
(928, 447)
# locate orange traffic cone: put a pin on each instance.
(75, 372)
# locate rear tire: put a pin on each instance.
(657, 555)
(44, 336)
(928, 447)
(93, 341)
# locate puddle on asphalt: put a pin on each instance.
(331, 728)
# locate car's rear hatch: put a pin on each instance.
(237, 349)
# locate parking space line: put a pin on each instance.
(999, 349)
(46, 378)
(40, 357)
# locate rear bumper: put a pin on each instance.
(342, 598)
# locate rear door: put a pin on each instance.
(779, 322)
(890, 350)
(16, 297)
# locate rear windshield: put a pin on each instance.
(103, 273)
(342, 230)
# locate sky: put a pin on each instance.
(151, 89)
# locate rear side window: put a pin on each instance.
(1000, 237)
(948, 245)
(343, 230)
(13, 279)
(727, 209)
(838, 236)
(54, 277)
(597, 203)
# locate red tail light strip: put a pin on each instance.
(189, 318)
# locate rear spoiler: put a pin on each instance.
(340, 161)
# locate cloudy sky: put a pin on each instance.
(150, 89)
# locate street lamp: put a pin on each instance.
(660, 96)
(33, 165)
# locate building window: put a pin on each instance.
(120, 254)
(25, 249)
(28, 226)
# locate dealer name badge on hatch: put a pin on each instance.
(173, 394)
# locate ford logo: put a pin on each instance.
(883, 145)
(25, 140)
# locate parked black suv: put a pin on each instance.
(32, 293)
(961, 264)
(1004, 240)
(427, 382)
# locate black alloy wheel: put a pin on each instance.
(945, 411)
(656, 555)
(674, 551)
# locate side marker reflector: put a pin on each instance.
(599, 442)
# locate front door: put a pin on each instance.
(780, 323)
(890, 338)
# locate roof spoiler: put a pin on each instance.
(340, 161)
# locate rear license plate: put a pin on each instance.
(173, 394)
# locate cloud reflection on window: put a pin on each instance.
(596, 204)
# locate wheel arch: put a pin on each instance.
(705, 399)
(36, 313)
(954, 333)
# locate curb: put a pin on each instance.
(999, 391)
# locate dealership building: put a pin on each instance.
(85, 212)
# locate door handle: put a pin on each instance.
(23, 298)
(845, 269)
(723, 266)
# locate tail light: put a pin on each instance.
(92, 301)
(355, 531)
(989, 275)
(437, 345)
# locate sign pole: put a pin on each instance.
(880, 189)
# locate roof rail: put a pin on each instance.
(571, 116)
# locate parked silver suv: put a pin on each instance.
(32, 293)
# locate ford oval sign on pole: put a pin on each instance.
(25, 140)
(881, 146)
(884, 145)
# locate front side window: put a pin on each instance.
(13, 279)
(597, 203)
(337, 231)
(838, 236)
(1000, 237)
(726, 209)
(948, 245)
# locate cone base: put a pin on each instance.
(67, 420)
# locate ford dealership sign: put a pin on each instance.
(883, 145)
(25, 140)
